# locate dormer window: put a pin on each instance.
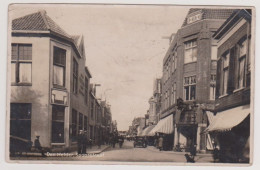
(193, 18)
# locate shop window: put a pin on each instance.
(20, 120)
(59, 66)
(21, 64)
(74, 125)
(85, 122)
(190, 54)
(75, 76)
(190, 88)
(58, 124)
(80, 121)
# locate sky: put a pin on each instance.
(124, 45)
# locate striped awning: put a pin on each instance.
(165, 125)
(147, 130)
(226, 120)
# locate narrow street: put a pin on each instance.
(129, 154)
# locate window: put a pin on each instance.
(92, 110)
(59, 66)
(75, 76)
(241, 65)
(190, 51)
(225, 61)
(80, 121)
(21, 64)
(58, 124)
(175, 61)
(20, 120)
(86, 90)
(212, 87)
(173, 64)
(190, 88)
(174, 93)
(74, 124)
(194, 18)
(85, 122)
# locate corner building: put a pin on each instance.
(49, 83)
(189, 73)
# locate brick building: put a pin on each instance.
(231, 123)
(189, 73)
(50, 84)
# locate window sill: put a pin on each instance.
(242, 88)
(57, 144)
(21, 84)
(190, 62)
(224, 95)
(59, 87)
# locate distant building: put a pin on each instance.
(155, 103)
(189, 73)
(231, 124)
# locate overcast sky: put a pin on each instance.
(124, 48)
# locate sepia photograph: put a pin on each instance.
(115, 83)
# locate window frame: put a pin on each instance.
(189, 85)
(75, 76)
(225, 72)
(191, 48)
(19, 61)
(242, 57)
(57, 64)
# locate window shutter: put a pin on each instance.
(219, 66)
(231, 74)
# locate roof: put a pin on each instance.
(38, 21)
(233, 18)
(209, 13)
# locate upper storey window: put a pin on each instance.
(194, 18)
(59, 66)
(190, 51)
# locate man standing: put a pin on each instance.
(80, 142)
(84, 142)
(160, 143)
(38, 146)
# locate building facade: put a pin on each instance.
(189, 74)
(232, 133)
(51, 96)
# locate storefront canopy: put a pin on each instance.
(227, 119)
(147, 130)
(163, 126)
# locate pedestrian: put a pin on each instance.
(80, 142)
(84, 142)
(99, 142)
(160, 143)
(193, 152)
(90, 143)
(38, 146)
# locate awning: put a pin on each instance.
(227, 119)
(147, 130)
(165, 125)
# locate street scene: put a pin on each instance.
(130, 83)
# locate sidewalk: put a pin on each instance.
(95, 149)
(200, 157)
